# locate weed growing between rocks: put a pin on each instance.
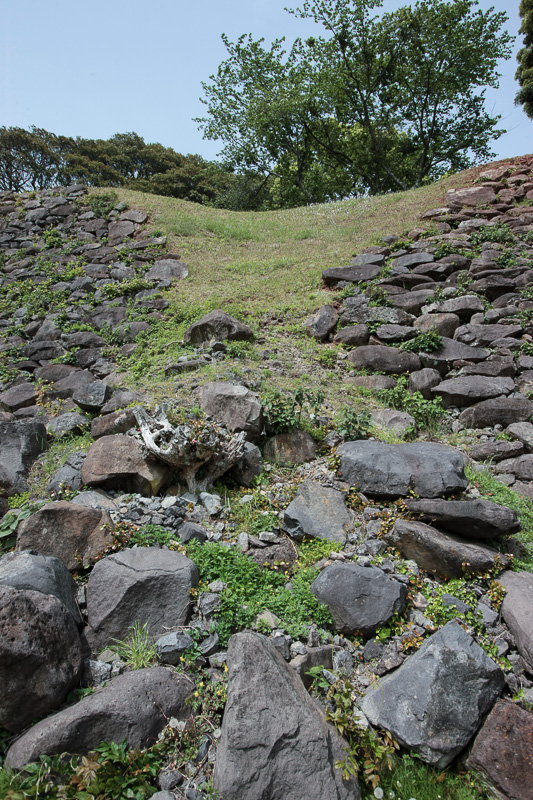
(251, 590)
(428, 414)
(137, 649)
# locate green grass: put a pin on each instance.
(411, 779)
(492, 489)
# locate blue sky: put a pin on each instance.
(101, 67)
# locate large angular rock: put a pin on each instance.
(40, 655)
(516, 611)
(473, 196)
(521, 467)
(498, 411)
(135, 706)
(317, 512)
(22, 395)
(473, 519)
(20, 444)
(75, 534)
(144, 584)
(217, 325)
(117, 462)
(46, 574)
(293, 447)
(110, 424)
(434, 703)
(275, 742)
(450, 351)
(393, 470)
(167, 268)
(444, 324)
(364, 314)
(484, 335)
(92, 396)
(440, 553)
(389, 360)
(353, 273)
(470, 389)
(234, 405)
(360, 599)
(502, 751)
(464, 306)
(322, 323)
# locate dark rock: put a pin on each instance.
(364, 314)
(40, 655)
(470, 389)
(65, 387)
(43, 351)
(498, 411)
(502, 751)
(322, 323)
(450, 351)
(484, 335)
(360, 599)
(20, 396)
(20, 444)
(352, 335)
(412, 301)
(248, 467)
(167, 268)
(70, 424)
(423, 381)
(294, 447)
(389, 360)
(217, 325)
(434, 703)
(442, 554)
(292, 753)
(474, 519)
(92, 396)
(464, 307)
(144, 584)
(171, 646)
(393, 470)
(75, 534)
(523, 431)
(516, 611)
(46, 574)
(190, 530)
(135, 706)
(398, 421)
(234, 406)
(353, 274)
(496, 451)
(68, 476)
(413, 260)
(117, 462)
(111, 317)
(315, 657)
(121, 399)
(317, 512)
(110, 424)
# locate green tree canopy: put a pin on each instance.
(524, 73)
(376, 103)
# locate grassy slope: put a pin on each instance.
(265, 269)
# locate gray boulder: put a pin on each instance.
(360, 599)
(92, 396)
(217, 325)
(435, 702)
(20, 444)
(473, 519)
(354, 273)
(450, 351)
(470, 389)
(393, 470)
(69, 475)
(135, 706)
(70, 424)
(143, 584)
(521, 467)
(40, 655)
(441, 553)
(46, 574)
(389, 360)
(293, 447)
(499, 411)
(275, 742)
(118, 462)
(322, 323)
(516, 611)
(317, 512)
(234, 405)
(76, 534)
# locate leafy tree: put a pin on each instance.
(376, 103)
(28, 159)
(524, 73)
